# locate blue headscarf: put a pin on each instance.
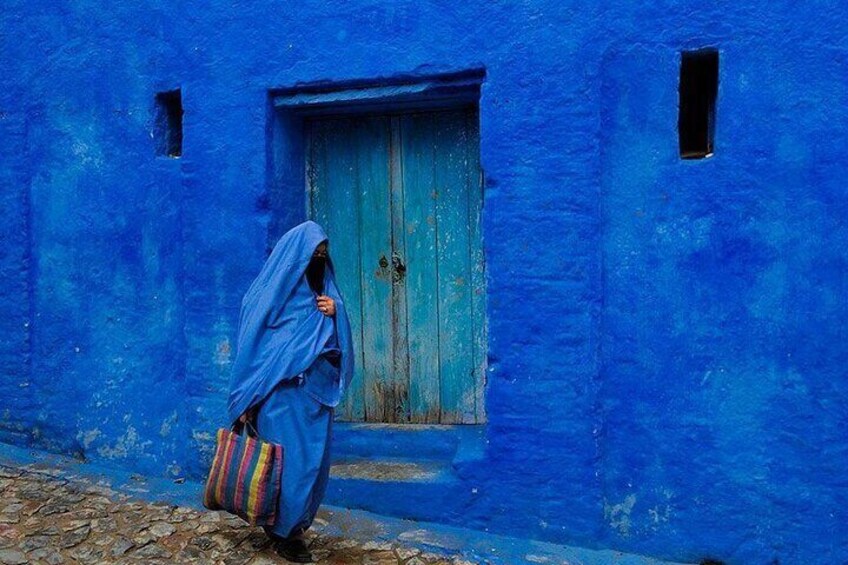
(281, 331)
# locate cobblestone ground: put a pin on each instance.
(45, 518)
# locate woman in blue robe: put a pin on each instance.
(294, 361)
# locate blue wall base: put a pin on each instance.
(357, 525)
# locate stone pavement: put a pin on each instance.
(46, 518)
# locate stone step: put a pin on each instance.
(407, 441)
(422, 490)
(416, 471)
(389, 470)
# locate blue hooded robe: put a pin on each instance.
(294, 363)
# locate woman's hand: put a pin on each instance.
(326, 305)
(250, 414)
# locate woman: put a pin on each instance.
(293, 363)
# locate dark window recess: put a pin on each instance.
(698, 89)
(169, 123)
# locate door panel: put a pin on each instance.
(479, 330)
(336, 205)
(450, 193)
(402, 409)
(382, 388)
(418, 141)
(400, 196)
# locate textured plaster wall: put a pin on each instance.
(667, 358)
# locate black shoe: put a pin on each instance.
(293, 549)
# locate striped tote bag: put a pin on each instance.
(245, 477)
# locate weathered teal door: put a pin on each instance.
(400, 197)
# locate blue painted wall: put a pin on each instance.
(666, 338)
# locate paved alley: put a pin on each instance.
(45, 518)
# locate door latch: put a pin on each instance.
(398, 268)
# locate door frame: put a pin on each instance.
(288, 193)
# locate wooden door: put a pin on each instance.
(400, 197)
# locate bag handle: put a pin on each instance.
(238, 428)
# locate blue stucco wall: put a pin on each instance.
(666, 338)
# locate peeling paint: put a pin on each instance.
(128, 444)
(660, 514)
(165, 429)
(88, 437)
(203, 436)
(619, 514)
(222, 353)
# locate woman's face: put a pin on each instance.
(315, 269)
(320, 251)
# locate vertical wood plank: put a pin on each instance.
(453, 248)
(418, 146)
(336, 206)
(312, 147)
(479, 330)
(400, 346)
(383, 393)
